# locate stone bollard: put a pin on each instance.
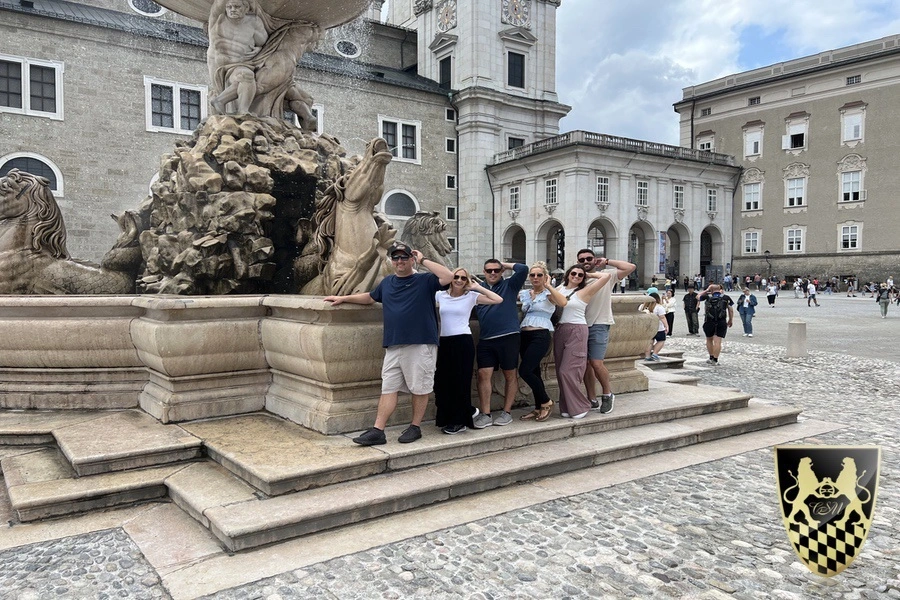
(796, 342)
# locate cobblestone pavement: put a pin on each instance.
(711, 530)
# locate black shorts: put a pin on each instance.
(715, 328)
(660, 336)
(502, 352)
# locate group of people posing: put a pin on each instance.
(423, 354)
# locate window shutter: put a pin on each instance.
(786, 142)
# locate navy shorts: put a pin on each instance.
(715, 328)
(660, 336)
(502, 352)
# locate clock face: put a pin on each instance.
(447, 15)
(517, 12)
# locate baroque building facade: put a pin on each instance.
(816, 139)
(93, 93)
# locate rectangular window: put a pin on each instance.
(643, 193)
(450, 145)
(174, 107)
(849, 237)
(515, 142)
(850, 184)
(516, 70)
(751, 242)
(795, 138)
(451, 182)
(705, 112)
(452, 242)
(753, 101)
(602, 188)
(796, 190)
(678, 196)
(705, 145)
(450, 213)
(752, 143)
(795, 240)
(751, 196)
(712, 201)
(402, 137)
(514, 198)
(550, 187)
(854, 79)
(450, 115)
(445, 73)
(31, 87)
(852, 127)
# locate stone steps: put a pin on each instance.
(241, 523)
(266, 479)
(664, 362)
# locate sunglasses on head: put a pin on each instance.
(493, 270)
(459, 278)
(585, 259)
(535, 274)
(396, 257)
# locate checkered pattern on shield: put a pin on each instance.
(827, 499)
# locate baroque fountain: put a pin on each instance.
(207, 305)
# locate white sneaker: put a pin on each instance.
(581, 416)
(745, 335)
(749, 335)
(566, 415)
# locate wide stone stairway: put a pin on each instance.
(256, 479)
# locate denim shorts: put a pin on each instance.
(598, 340)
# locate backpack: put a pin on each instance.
(716, 309)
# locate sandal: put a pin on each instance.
(532, 415)
(544, 412)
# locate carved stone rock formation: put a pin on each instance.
(233, 210)
(33, 255)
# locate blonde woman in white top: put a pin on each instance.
(570, 339)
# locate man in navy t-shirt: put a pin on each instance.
(410, 337)
(498, 341)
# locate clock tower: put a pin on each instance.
(497, 59)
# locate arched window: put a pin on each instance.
(399, 204)
(147, 7)
(35, 166)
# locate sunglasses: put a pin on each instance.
(460, 278)
(397, 257)
(576, 274)
(493, 271)
(535, 274)
(585, 259)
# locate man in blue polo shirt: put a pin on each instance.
(410, 337)
(498, 341)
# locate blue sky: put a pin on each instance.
(621, 65)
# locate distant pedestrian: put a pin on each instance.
(691, 311)
(771, 293)
(655, 307)
(669, 303)
(410, 337)
(811, 294)
(747, 309)
(718, 318)
(884, 299)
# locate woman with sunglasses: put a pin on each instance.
(456, 351)
(538, 305)
(571, 339)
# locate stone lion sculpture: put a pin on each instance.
(33, 254)
(427, 232)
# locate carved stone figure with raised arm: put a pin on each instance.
(236, 37)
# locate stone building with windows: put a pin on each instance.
(93, 93)
(817, 141)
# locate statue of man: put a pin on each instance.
(236, 36)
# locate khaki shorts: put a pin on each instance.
(409, 368)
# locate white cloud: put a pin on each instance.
(622, 65)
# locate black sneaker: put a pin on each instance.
(595, 404)
(454, 429)
(373, 437)
(607, 402)
(411, 434)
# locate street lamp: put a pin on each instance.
(768, 262)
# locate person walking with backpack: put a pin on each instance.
(718, 318)
(746, 309)
(884, 299)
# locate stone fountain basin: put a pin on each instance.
(328, 13)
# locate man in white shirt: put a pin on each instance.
(811, 294)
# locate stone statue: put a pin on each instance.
(252, 57)
(33, 255)
(351, 241)
(427, 232)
